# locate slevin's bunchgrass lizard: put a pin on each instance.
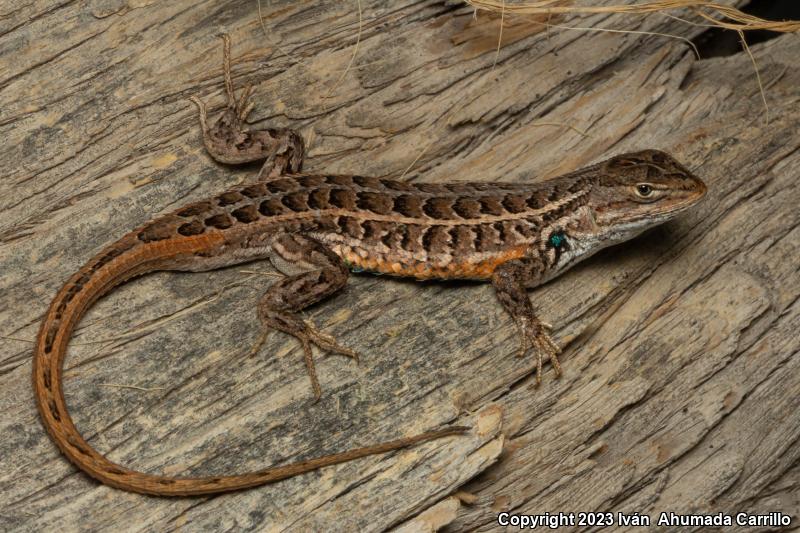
(317, 228)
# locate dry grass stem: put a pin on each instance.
(276, 44)
(716, 14)
(758, 76)
(414, 162)
(17, 339)
(85, 343)
(500, 34)
(265, 274)
(132, 387)
(611, 30)
(577, 130)
(355, 51)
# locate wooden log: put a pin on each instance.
(680, 390)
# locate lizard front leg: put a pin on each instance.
(509, 281)
(313, 273)
(228, 141)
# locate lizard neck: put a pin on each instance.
(581, 233)
(624, 197)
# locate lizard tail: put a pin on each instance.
(116, 264)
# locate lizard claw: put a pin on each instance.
(259, 343)
(544, 344)
(535, 334)
(310, 335)
(327, 342)
(305, 332)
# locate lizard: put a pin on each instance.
(316, 228)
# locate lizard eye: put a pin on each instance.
(644, 190)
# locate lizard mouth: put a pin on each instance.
(691, 199)
(701, 189)
(685, 198)
(658, 214)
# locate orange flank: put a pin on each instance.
(480, 267)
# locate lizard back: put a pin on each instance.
(420, 230)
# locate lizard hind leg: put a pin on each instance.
(314, 273)
(509, 281)
(229, 141)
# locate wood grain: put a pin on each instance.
(682, 378)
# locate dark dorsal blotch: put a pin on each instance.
(436, 239)
(378, 203)
(296, 201)
(400, 186)
(491, 206)
(391, 237)
(350, 227)
(341, 181)
(438, 208)
(411, 236)
(465, 207)
(408, 205)
(515, 203)
(319, 199)
(502, 231)
(54, 412)
(157, 231)
(367, 182)
(486, 238)
(271, 207)
(562, 189)
(537, 199)
(219, 221)
(343, 199)
(310, 182)
(193, 210)
(107, 257)
(431, 188)
(462, 238)
(229, 198)
(195, 227)
(460, 187)
(112, 253)
(372, 229)
(246, 214)
(255, 191)
(281, 185)
(50, 338)
(324, 223)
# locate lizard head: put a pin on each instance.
(642, 189)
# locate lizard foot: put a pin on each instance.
(536, 336)
(229, 141)
(308, 334)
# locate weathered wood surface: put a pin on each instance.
(682, 380)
